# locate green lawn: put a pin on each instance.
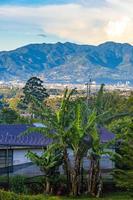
(12, 196)
(116, 196)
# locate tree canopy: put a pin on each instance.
(33, 89)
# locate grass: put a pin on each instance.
(115, 196)
(110, 196)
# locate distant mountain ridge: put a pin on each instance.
(69, 62)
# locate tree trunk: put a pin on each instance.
(95, 179)
(90, 176)
(82, 178)
(48, 188)
(100, 185)
(67, 170)
(76, 177)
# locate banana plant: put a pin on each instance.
(49, 162)
(80, 142)
(104, 115)
(57, 125)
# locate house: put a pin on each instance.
(14, 145)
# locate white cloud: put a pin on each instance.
(116, 28)
(77, 22)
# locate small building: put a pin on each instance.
(14, 145)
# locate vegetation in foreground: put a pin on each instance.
(110, 196)
(77, 127)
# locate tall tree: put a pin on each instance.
(33, 88)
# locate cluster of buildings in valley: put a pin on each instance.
(94, 86)
(126, 86)
(12, 84)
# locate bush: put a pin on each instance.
(12, 196)
(124, 179)
(17, 184)
(8, 196)
(35, 185)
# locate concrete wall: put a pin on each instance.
(19, 155)
(105, 162)
(22, 165)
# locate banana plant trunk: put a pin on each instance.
(95, 178)
(67, 167)
(76, 177)
(48, 187)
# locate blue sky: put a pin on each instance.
(38, 2)
(35, 2)
(80, 21)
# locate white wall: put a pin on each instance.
(19, 155)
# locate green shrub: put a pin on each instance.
(8, 195)
(35, 185)
(12, 196)
(17, 184)
(124, 179)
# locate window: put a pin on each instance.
(6, 160)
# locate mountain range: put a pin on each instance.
(69, 62)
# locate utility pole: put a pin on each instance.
(88, 90)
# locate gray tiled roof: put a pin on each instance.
(12, 135)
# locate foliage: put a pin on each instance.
(49, 163)
(13, 196)
(3, 104)
(103, 105)
(34, 87)
(17, 184)
(13, 103)
(4, 195)
(123, 174)
(8, 116)
(124, 179)
(75, 126)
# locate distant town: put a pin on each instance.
(119, 86)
